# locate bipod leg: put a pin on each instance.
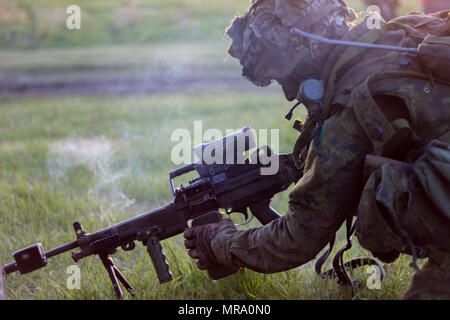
(109, 266)
(124, 281)
(115, 274)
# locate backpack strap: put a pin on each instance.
(371, 118)
(340, 269)
(349, 54)
(303, 140)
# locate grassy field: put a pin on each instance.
(101, 159)
(119, 41)
(26, 24)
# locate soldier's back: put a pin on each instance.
(390, 91)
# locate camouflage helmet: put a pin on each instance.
(264, 45)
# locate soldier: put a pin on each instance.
(430, 6)
(388, 7)
(379, 103)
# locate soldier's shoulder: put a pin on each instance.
(421, 24)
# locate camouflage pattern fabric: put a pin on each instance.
(395, 213)
(430, 283)
(433, 172)
(405, 208)
(263, 43)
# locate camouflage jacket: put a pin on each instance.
(371, 96)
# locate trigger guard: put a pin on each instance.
(244, 212)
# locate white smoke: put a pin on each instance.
(96, 154)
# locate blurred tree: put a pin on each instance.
(430, 6)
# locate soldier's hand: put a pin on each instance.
(198, 242)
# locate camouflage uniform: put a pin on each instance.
(388, 7)
(379, 103)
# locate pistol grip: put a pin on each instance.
(158, 257)
(264, 212)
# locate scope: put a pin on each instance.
(231, 148)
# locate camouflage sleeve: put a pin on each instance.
(318, 204)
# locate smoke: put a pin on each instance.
(97, 155)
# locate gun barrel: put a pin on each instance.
(15, 266)
(61, 249)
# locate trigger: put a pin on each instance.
(244, 212)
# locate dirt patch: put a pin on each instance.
(20, 84)
(171, 68)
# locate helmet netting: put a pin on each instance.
(262, 40)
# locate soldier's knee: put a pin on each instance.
(430, 283)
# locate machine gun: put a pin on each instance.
(235, 186)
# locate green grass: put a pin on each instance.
(37, 49)
(122, 152)
(30, 24)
